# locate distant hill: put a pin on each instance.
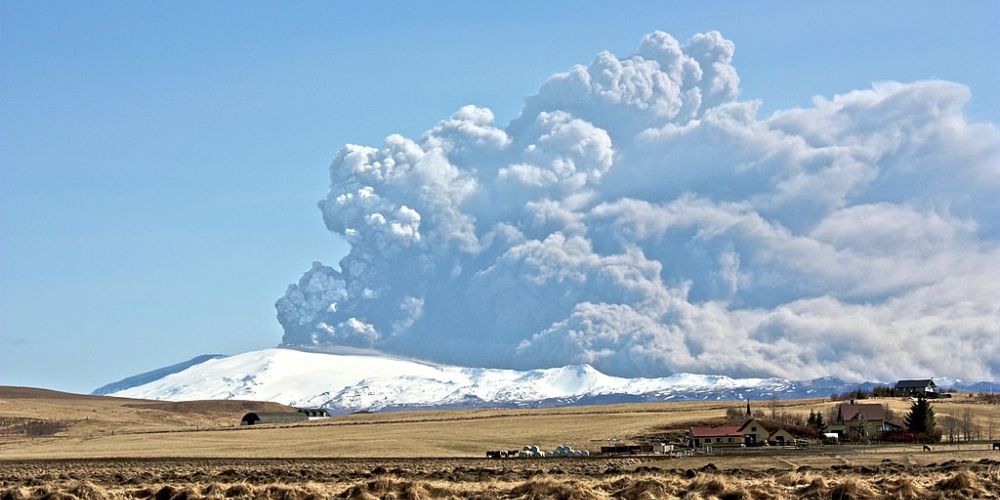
(15, 392)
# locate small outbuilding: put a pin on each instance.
(314, 413)
(260, 417)
(781, 437)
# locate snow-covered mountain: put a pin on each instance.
(150, 376)
(354, 380)
(347, 380)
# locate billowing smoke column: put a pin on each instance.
(637, 216)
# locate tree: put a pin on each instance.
(920, 419)
(883, 391)
(949, 427)
(816, 421)
(890, 415)
(734, 414)
(772, 405)
(971, 429)
(832, 414)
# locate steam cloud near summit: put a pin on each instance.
(639, 217)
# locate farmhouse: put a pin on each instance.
(754, 432)
(256, 418)
(723, 435)
(860, 421)
(919, 387)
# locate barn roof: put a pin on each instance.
(719, 431)
(856, 412)
(914, 384)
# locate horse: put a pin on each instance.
(927, 448)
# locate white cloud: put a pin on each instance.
(637, 216)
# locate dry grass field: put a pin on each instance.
(93, 416)
(120, 448)
(101, 427)
(295, 479)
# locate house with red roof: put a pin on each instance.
(721, 435)
(753, 432)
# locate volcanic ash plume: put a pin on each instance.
(639, 217)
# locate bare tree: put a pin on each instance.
(735, 414)
(950, 428)
(831, 415)
(772, 406)
(967, 424)
(891, 416)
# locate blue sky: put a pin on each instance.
(160, 163)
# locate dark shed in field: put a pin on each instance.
(260, 417)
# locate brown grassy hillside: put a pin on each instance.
(114, 427)
(86, 416)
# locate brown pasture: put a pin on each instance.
(121, 448)
(102, 427)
